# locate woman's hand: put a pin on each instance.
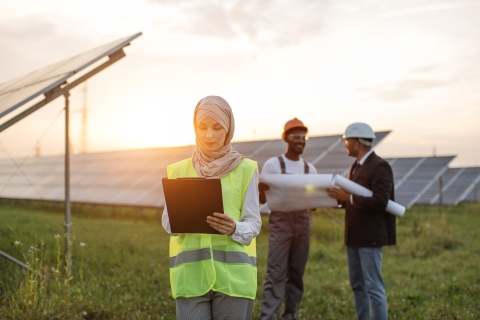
(222, 223)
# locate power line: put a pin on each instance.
(19, 166)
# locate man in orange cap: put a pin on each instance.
(288, 232)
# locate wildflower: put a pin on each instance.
(57, 236)
(82, 244)
(16, 242)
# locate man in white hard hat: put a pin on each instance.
(288, 232)
(368, 227)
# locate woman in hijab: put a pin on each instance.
(215, 276)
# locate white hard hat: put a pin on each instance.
(359, 130)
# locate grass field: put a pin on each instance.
(120, 267)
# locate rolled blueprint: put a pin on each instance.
(294, 192)
(358, 190)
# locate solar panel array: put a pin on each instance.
(133, 177)
(126, 177)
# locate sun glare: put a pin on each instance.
(164, 126)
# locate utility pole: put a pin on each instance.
(37, 150)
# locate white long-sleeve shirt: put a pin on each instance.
(250, 221)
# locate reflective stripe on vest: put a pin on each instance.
(201, 262)
(190, 256)
(218, 255)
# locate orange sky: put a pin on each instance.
(408, 66)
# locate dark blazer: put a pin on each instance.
(367, 224)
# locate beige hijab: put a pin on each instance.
(219, 163)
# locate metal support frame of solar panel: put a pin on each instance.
(52, 82)
(415, 176)
(456, 185)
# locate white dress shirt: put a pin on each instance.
(360, 163)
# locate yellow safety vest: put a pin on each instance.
(203, 262)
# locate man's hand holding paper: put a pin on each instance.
(339, 194)
(293, 192)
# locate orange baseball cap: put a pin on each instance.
(294, 123)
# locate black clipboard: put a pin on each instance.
(189, 201)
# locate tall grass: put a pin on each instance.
(431, 274)
(119, 271)
(120, 267)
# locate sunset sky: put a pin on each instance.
(412, 67)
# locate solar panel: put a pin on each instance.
(16, 92)
(415, 176)
(458, 184)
